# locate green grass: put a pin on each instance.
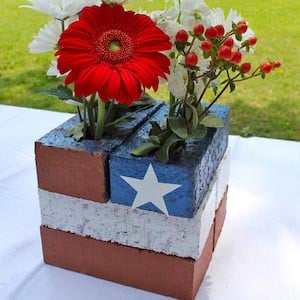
(269, 108)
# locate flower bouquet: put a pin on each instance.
(132, 189)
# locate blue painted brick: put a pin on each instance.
(56, 137)
(192, 170)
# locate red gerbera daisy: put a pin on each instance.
(114, 53)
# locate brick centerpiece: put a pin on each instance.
(164, 245)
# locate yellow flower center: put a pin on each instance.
(115, 46)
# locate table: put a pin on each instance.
(257, 257)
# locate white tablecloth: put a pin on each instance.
(257, 257)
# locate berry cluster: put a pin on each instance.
(220, 47)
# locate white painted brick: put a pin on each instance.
(143, 229)
(222, 176)
(207, 215)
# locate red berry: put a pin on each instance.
(206, 46)
(225, 53)
(236, 57)
(211, 33)
(191, 59)
(181, 36)
(276, 64)
(229, 42)
(242, 27)
(245, 67)
(220, 29)
(266, 67)
(199, 29)
(252, 40)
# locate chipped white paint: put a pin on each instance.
(135, 227)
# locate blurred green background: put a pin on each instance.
(266, 108)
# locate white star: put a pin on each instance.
(150, 190)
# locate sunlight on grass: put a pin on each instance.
(269, 108)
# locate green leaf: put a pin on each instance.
(199, 132)
(178, 126)
(206, 55)
(154, 140)
(194, 114)
(119, 121)
(164, 135)
(234, 68)
(238, 36)
(144, 149)
(172, 55)
(111, 111)
(155, 130)
(76, 132)
(62, 92)
(212, 121)
(191, 87)
(232, 87)
(163, 154)
(144, 101)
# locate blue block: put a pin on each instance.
(110, 141)
(177, 188)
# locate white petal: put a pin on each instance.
(60, 9)
(47, 38)
(53, 71)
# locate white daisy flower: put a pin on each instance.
(48, 36)
(178, 79)
(177, 82)
(192, 12)
(60, 9)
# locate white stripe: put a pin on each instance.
(136, 227)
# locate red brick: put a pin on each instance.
(71, 172)
(148, 270)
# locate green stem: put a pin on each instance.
(218, 96)
(186, 95)
(206, 87)
(79, 114)
(172, 105)
(90, 108)
(179, 15)
(100, 120)
(84, 118)
(109, 115)
(192, 44)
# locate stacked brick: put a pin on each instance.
(91, 222)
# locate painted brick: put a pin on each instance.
(222, 176)
(80, 169)
(143, 229)
(193, 170)
(220, 218)
(165, 274)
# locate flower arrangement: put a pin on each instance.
(111, 56)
